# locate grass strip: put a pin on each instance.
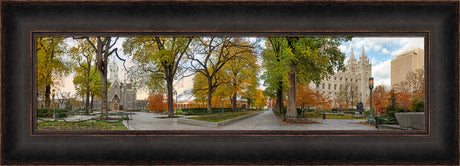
(222, 116)
(84, 125)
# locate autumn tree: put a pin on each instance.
(240, 78)
(414, 83)
(404, 100)
(411, 91)
(199, 86)
(162, 59)
(348, 94)
(260, 101)
(156, 102)
(380, 99)
(322, 102)
(103, 47)
(83, 55)
(51, 64)
(209, 55)
(305, 96)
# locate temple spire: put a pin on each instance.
(352, 55)
(362, 53)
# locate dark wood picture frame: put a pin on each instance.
(437, 21)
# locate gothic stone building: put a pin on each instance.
(356, 75)
(120, 96)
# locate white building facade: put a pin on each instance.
(120, 96)
(356, 75)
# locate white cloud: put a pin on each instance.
(407, 44)
(385, 51)
(385, 82)
(382, 71)
(377, 47)
(343, 48)
(373, 61)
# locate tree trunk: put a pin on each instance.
(92, 101)
(291, 107)
(103, 95)
(210, 89)
(234, 102)
(87, 95)
(279, 106)
(102, 68)
(249, 103)
(169, 83)
(47, 96)
(88, 78)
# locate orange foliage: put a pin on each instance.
(157, 102)
(404, 100)
(380, 100)
(307, 97)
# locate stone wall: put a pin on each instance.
(414, 120)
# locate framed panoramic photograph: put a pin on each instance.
(230, 82)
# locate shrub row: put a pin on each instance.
(197, 111)
(48, 112)
(386, 120)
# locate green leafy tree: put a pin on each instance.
(311, 59)
(418, 105)
(104, 47)
(51, 64)
(161, 58)
(303, 60)
(83, 55)
(276, 65)
(94, 85)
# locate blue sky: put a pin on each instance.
(380, 51)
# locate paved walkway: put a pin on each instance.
(264, 121)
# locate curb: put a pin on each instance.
(127, 126)
(213, 124)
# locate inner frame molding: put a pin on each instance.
(440, 20)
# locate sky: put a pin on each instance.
(380, 51)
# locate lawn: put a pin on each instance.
(83, 125)
(217, 117)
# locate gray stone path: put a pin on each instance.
(264, 121)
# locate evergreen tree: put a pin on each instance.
(393, 106)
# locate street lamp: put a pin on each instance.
(222, 104)
(54, 106)
(371, 86)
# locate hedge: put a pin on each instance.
(48, 112)
(386, 120)
(197, 111)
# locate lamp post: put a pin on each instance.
(222, 104)
(54, 106)
(371, 86)
(351, 89)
